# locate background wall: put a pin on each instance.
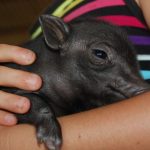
(17, 16)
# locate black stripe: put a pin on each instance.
(148, 81)
(142, 49)
(136, 31)
(77, 6)
(145, 65)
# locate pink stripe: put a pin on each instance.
(123, 21)
(92, 6)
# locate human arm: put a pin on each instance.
(120, 126)
(15, 78)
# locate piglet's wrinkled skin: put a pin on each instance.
(84, 64)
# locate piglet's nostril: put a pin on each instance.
(141, 91)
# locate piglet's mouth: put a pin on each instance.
(129, 92)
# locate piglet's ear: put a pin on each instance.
(55, 31)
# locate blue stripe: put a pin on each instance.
(145, 74)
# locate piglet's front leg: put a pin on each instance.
(43, 118)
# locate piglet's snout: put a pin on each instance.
(130, 88)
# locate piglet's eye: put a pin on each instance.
(99, 53)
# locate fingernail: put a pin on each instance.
(10, 119)
(21, 104)
(29, 56)
(34, 82)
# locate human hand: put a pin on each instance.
(9, 77)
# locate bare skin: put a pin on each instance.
(121, 126)
(124, 125)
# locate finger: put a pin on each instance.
(20, 79)
(7, 118)
(9, 53)
(14, 103)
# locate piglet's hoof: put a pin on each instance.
(49, 132)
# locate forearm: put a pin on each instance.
(124, 126)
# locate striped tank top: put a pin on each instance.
(124, 13)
